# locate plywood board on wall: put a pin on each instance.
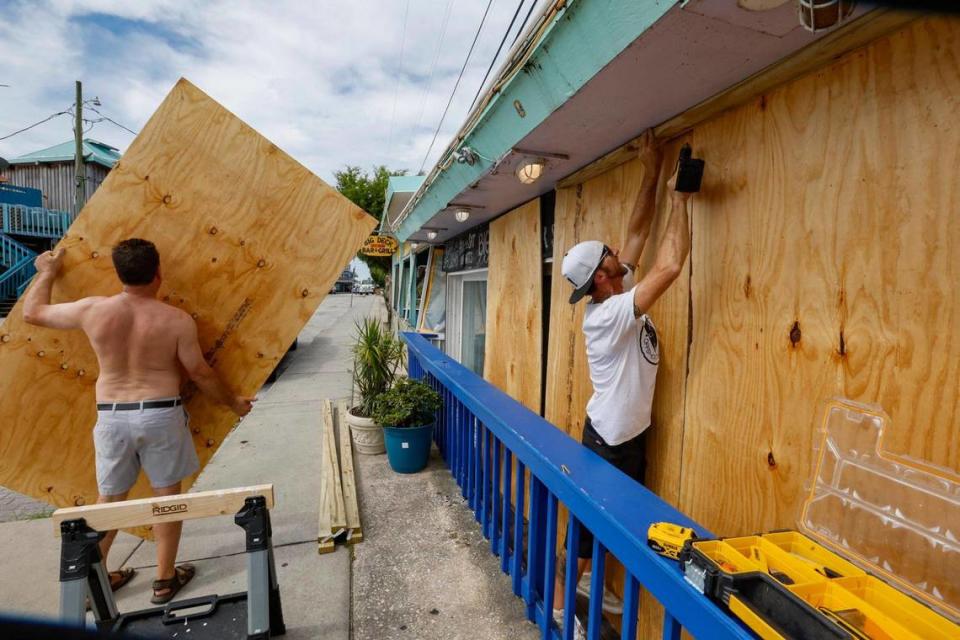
(829, 267)
(250, 243)
(515, 305)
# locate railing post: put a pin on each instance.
(483, 478)
(671, 628)
(535, 541)
(570, 576)
(505, 517)
(495, 503)
(463, 424)
(517, 557)
(631, 600)
(549, 565)
(597, 575)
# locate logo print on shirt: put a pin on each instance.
(649, 346)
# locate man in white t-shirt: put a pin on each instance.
(622, 345)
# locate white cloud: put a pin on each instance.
(320, 79)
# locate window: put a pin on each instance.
(467, 318)
(433, 302)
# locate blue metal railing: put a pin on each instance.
(37, 222)
(18, 261)
(481, 432)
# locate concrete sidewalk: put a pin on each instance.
(279, 442)
(424, 570)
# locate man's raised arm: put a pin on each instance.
(671, 255)
(36, 303)
(641, 220)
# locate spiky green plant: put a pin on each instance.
(377, 357)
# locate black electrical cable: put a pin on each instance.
(524, 23)
(499, 48)
(110, 120)
(454, 92)
(37, 124)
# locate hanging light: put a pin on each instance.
(414, 245)
(461, 215)
(431, 235)
(530, 171)
(817, 15)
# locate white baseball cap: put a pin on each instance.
(580, 263)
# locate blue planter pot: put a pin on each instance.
(408, 448)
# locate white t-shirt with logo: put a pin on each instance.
(623, 354)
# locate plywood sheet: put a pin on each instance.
(829, 267)
(250, 243)
(515, 305)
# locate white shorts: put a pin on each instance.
(158, 440)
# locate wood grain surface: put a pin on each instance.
(250, 243)
(823, 263)
(333, 510)
(150, 511)
(827, 237)
(515, 305)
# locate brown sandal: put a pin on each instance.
(120, 577)
(182, 575)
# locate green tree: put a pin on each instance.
(368, 191)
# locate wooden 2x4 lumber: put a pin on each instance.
(333, 518)
(150, 511)
(349, 483)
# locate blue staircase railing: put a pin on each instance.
(36, 222)
(481, 432)
(18, 260)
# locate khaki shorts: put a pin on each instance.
(158, 440)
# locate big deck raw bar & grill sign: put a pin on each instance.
(377, 245)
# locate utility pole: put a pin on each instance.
(78, 159)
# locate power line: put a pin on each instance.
(457, 84)
(524, 23)
(433, 65)
(499, 48)
(112, 121)
(396, 90)
(37, 124)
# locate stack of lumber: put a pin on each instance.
(339, 510)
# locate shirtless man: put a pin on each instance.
(141, 345)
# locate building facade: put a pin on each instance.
(52, 171)
(822, 261)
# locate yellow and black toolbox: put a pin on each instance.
(783, 585)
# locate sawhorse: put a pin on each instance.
(83, 574)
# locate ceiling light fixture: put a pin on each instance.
(530, 170)
(462, 215)
(817, 15)
(431, 235)
(414, 245)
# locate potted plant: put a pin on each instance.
(407, 412)
(377, 357)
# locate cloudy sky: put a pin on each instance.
(361, 82)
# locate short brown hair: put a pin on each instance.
(136, 261)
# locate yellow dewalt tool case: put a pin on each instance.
(877, 556)
(785, 585)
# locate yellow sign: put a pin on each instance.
(377, 245)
